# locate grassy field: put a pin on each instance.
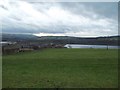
(61, 68)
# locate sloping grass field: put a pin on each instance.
(61, 68)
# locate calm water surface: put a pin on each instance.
(90, 46)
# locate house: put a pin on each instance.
(26, 48)
(10, 48)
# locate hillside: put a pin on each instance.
(111, 40)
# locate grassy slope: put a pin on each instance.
(61, 68)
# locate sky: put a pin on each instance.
(78, 19)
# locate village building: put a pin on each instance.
(10, 48)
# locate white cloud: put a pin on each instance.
(53, 19)
(49, 34)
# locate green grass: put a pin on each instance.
(61, 68)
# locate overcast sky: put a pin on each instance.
(59, 18)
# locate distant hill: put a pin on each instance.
(18, 37)
(111, 40)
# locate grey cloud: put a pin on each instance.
(104, 9)
(69, 18)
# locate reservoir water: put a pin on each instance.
(91, 46)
